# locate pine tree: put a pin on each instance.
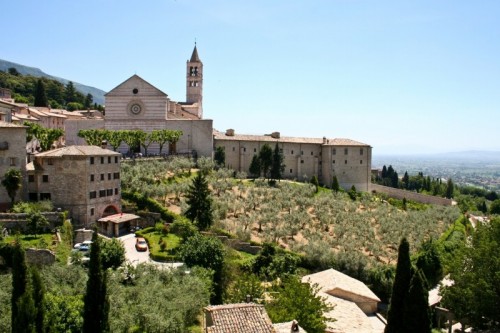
(89, 99)
(96, 303)
(40, 95)
(19, 282)
(70, 93)
(396, 314)
(406, 180)
(200, 203)
(12, 182)
(266, 159)
(417, 316)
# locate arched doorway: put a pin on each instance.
(110, 210)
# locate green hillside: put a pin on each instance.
(97, 94)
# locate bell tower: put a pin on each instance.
(194, 81)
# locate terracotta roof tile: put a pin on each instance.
(239, 318)
(77, 151)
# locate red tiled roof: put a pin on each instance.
(239, 318)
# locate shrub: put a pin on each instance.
(149, 203)
(183, 228)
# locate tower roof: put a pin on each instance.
(194, 56)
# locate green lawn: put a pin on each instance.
(153, 239)
(42, 241)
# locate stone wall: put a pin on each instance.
(239, 245)
(40, 257)
(414, 196)
(13, 221)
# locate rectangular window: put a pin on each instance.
(345, 162)
(255, 150)
(301, 152)
(244, 149)
(102, 160)
(92, 195)
(302, 161)
(109, 159)
(334, 151)
(12, 161)
(312, 153)
(50, 161)
(116, 159)
(116, 175)
(45, 178)
(31, 178)
(102, 176)
(333, 162)
(91, 211)
(109, 176)
(360, 161)
(291, 170)
(292, 152)
(116, 191)
(92, 160)
(44, 196)
(345, 151)
(102, 193)
(234, 149)
(33, 197)
(360, 151)
(109, 192)
(91, 178)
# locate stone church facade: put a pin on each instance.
(137, 104)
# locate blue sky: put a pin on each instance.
(403, 76)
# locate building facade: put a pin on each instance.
(84, 180)
(12, 155)
(135, 104)
(348, 160)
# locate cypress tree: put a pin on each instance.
(335, 184)
(96, 303)
(19, 282)
(255, 166)
(40, 95)
(417, 316)
(277, 166)
(200, 203)
(38, 300)
(396, 314)
(24, 322)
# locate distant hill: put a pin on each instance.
(98, 94)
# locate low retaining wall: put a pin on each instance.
(239, 245)
(13, 221)
(40, 257)
(409, 195)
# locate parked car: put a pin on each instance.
(141, 244)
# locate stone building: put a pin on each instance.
(84, 180)
(137, 104)
(12, 155)
(347, 159)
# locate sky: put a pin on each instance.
(406, 77)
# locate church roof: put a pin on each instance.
(268, 138)
(77, 151)
(134, 77)
(194, 56)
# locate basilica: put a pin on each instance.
(136, 104)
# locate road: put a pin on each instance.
(135, 257)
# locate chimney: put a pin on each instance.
(230, 132)
(295, 326)
(104, 144)
(275, 135)
(324, 140)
